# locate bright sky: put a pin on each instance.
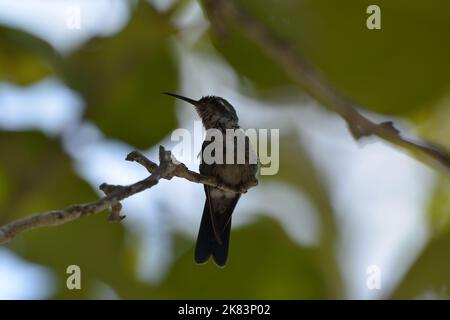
(378, 192)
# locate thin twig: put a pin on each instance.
(168, 168)
(312, 80)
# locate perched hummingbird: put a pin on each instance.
(214, 234)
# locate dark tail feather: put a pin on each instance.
(205, 238)
(220, 251)
(208, 245)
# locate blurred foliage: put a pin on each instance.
(122, 78)
(33, 169)
(24, 58)
(401, 70)
(432, 122)
(272, 266)
(298, 170)
(268, 78)
(430, 275)
(264, 264)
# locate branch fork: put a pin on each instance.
(168, 168)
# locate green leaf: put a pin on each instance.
(122, 78)
(399, 69)
(24, 58)
(433, 123)
(429, 275)
(263, 264)
(38, 174)
(251, 64)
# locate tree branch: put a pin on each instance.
(168, 168)
(312, 80)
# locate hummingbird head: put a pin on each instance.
(215, 112)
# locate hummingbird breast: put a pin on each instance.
(241, 170)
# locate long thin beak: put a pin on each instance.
(188, 100)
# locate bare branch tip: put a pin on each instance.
(164, 156)
(390, 126)
(132, 156)
(106, 188)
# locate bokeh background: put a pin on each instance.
(74, 102)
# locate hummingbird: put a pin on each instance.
(214, 234)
